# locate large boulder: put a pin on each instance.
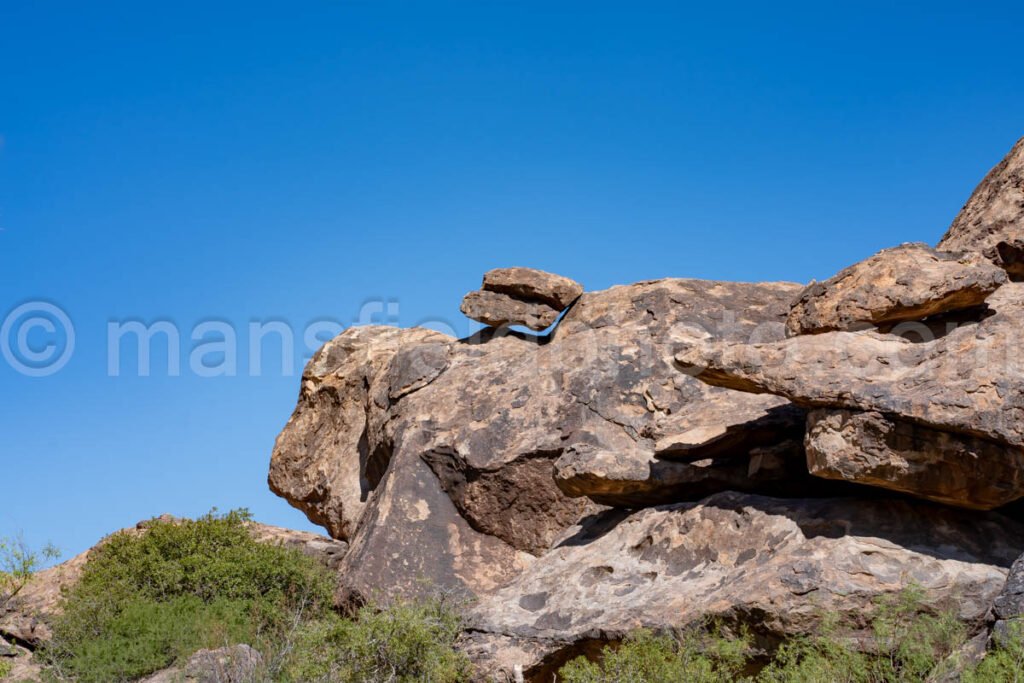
(774, 566)
(992, 221)
(436, 457)
(908, 282)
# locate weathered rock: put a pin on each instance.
(26, 618)
(776, 566)
(992, 221)
(970, 381)
(908, 282)
(322, 464)
(234, 664)
(1009, 604)
(497, 310)
(875, 449)
(24, 666)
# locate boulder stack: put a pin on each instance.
(521, 296)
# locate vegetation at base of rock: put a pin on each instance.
(910, 645)
(1005, 663)
(409, 641)
(146, 600)
(5, 669)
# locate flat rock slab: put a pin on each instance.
(992, 221)
(878, 450)
(775, 565)
(529, 284)
(497, 310)
(970, 381)
(908, 282)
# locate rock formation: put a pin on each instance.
(409, 441)
(675, 449)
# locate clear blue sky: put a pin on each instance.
(253, 161)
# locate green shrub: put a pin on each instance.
(147, 600)
(909, 645)
(5, 669)
(646, 657)
(406, 643)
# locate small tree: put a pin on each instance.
(17, 564)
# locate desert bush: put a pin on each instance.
(697, 656)
(409, 642)
(145, 601)
(909, 645)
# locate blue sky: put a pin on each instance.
(243, 162)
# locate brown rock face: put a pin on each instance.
(992, 221)
(908, 282)
(496, 310)
(871, 448)
(775, 565)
